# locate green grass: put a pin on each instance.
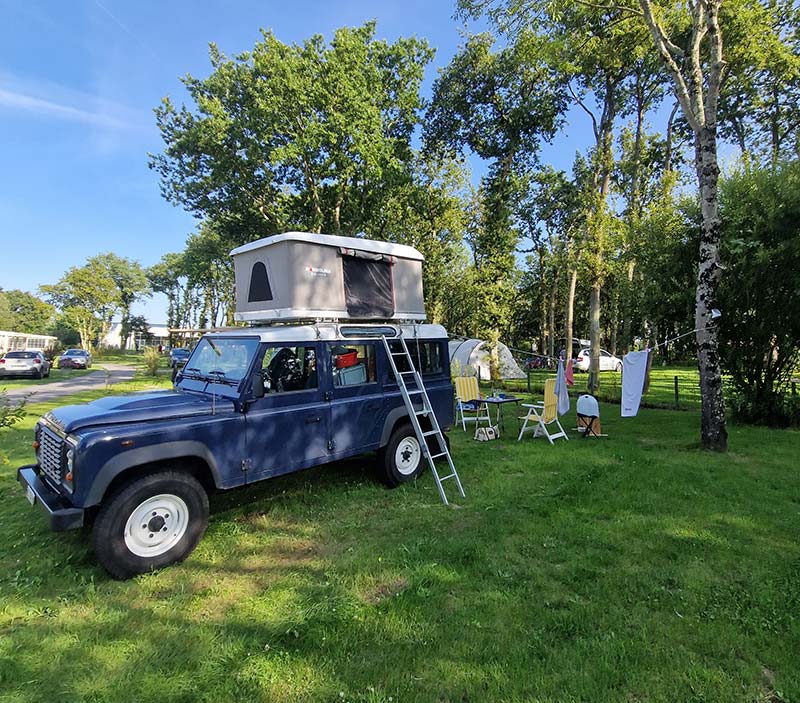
(661, 393)
(633, 568)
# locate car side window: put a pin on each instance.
(427, 357)
(353, 364)
(287, 369)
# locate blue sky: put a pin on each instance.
(78, 83)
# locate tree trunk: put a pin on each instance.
(713, 433)
(570, 310)
(551, 311)
(594, 336)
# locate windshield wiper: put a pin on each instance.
(220, 377)
(197, 372)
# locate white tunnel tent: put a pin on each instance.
(475, 354)
(302, 276)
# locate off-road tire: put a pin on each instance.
(111, 543)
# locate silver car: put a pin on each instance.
(25, 363)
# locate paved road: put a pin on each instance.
(113, 373)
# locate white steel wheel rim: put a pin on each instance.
(407, 455)
(156, 525)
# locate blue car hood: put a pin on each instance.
(139, 407)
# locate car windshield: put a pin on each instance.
(21, 355)
(74, 352)
(222, 358)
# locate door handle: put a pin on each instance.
(312, 420)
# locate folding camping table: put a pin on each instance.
(497, 401)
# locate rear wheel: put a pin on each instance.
(401, 460)
(149, 523)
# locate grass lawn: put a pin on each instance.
(661, 393)
(633, 568)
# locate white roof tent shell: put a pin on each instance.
(302, 276)
(475, 353)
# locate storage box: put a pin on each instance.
(301, 276)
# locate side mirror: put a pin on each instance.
(257, 384)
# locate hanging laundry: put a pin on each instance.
(561, 389)
(569, 374)
(634, 367)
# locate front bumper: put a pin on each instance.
(61, 514)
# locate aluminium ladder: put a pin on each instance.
(427, 410)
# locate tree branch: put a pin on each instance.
(585, 109)
(662, 45)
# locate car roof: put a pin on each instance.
(332, 331)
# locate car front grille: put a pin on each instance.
(51, 451)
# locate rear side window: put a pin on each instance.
(427, 357)
(353, 364)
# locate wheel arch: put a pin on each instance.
(192, 457)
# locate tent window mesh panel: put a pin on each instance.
(368, 287)
(259, 284)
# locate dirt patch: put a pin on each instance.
(381, 591)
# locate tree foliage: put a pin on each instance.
(760, 298)
(294, 136)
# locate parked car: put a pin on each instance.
(75, 359)
(25, 363)
(249, 405)
(608, 362)
(178, 356)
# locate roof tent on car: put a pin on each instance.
(302, 276)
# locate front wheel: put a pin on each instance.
(149, 523)
(401, 459)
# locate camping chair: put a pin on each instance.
(540, 415)
(468, 400)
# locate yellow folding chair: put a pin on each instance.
(540, 415)
(468, 400)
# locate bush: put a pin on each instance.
(760, 293)
(152, 360)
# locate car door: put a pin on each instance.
(288, 428)
(357, 403)
(605, 361)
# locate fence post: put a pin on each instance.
(677, 398)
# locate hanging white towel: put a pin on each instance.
(634, 367)
(561, 389)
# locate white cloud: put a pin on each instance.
(29, 103)
(52, 100)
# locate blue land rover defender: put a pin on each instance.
(249, 404)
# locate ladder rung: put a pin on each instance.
(405, 372)
(444, 478)
(428, 434)
(415, 392)
(400, 353)
(436, 456)
(422, 412)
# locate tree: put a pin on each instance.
(760, 328)
(209, 269)
(29, 313)
(131, 283)
(308, 136)
(500, 105)
(88, 297)
(6, 316)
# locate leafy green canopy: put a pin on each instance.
(307, 136)
(760, 327)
